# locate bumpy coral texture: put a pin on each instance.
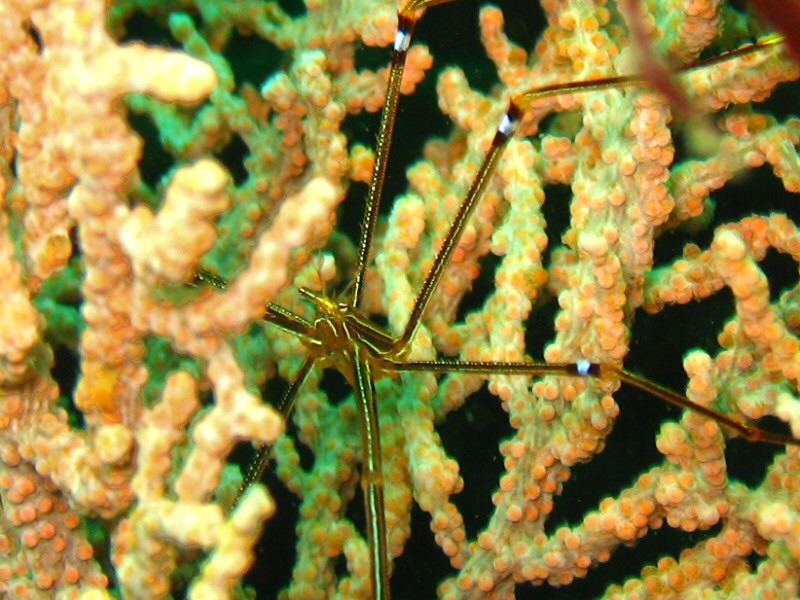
(607, 217)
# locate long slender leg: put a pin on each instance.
(525, 100)
(372, 475)
(405, 27)
(258, 465)
(504, 132)
(274, 314)
(585, 368)
(406, 19)
(748, 431)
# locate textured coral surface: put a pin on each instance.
(142, 142)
